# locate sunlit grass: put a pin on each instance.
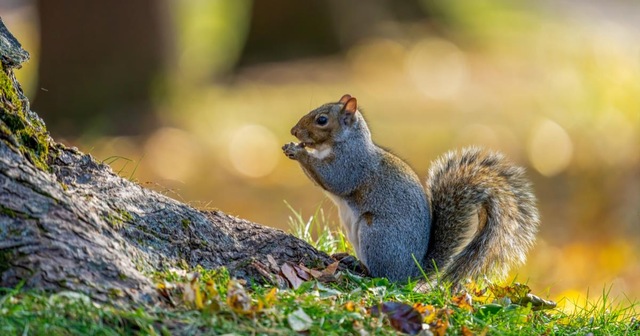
(318, 231)
(337, 308)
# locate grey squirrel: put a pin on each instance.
(477, 215)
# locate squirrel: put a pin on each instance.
(476, 217)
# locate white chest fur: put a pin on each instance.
(350, 221)
(321, 152)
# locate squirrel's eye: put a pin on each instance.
(322, 120)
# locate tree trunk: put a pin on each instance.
(98, 91)
(68, 222)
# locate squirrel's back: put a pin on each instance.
(484, 217)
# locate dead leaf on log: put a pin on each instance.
(291, 275)
(314, 273)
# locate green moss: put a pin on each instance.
(5, 258)
(10, 96)
(30, 134)
(186, 223)
(115, 293)
(125, 215)
(6, 211)
(116, 220)
(14, 213)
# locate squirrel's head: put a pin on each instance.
(328, 123)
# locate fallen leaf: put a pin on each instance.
(439, 327)
(402, 316)
(350, 306)
(428, 312)
(268, 300)
(197, 295)
(291, 276)
(302, 274)
(212, 295)
(281, 281)
(466, 331)
(324, 291)
(331, 269)
(314, 273)
(299, 320)
(441, 324)
(238, 299)
(463, 301)
(515, 292)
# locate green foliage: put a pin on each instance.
(68, 313)
(30, 134)
(335, 308)
(318, 225)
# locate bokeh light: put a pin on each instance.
(253, 151)
(172, 154)
(437, 67)
(550, 148)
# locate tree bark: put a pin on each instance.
(67, 222)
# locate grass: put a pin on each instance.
(318, 225)
(210, 302)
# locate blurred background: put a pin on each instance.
(194, 98)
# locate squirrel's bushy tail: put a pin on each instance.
(484, 215)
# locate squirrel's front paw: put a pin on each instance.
(292, 149)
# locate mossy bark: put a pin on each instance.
(67, 222)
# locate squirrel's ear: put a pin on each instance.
(344, 98)
(351, 105)
(349, 111)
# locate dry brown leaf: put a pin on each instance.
(314, 273)
(428, 312)
(466, 331)
(302, 274)
(291, 275)
(463, 301)
(439, 327)
(402, 316)
(331, 269)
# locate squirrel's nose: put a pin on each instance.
(294, 132)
